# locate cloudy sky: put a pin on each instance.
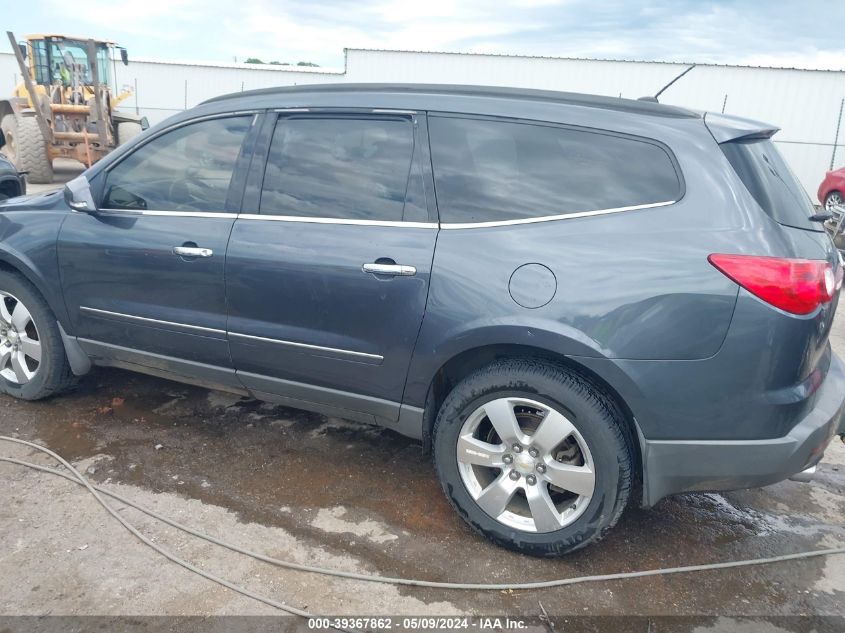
(762, 32)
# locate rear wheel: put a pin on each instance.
(32, 154)
(32, 357)
(834, 199)
(533, 456)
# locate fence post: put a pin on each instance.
(836, 138)
(186, 94)
(137, 109)
(724, 102)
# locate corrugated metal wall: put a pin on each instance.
(804, 103)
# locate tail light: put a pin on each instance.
(798, 286)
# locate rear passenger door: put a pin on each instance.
(328, 266)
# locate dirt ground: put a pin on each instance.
(320, 490)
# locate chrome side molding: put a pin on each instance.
(372, 358)
(132, 317)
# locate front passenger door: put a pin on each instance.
(143, 276)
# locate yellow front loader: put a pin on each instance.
(64, 107)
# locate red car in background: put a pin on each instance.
(832, 189)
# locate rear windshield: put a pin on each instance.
(768, 178)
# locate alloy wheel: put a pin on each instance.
(834, 200)
(20, 343)
(525, 464)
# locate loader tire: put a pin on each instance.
(32, 155)
(127, 130)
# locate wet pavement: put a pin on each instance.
(316, 489)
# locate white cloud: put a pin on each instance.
(751, 32)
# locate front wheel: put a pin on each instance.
(32, 357)
(533, 456)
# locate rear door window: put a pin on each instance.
(342, 168)
(492, 170)
(768, 178)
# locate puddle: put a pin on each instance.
(356, 491)
(336, 520)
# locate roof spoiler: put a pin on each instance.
(726, 128)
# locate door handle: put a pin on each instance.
(192, 251)
(394, 270)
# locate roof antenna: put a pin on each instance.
(663, 89)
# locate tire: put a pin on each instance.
(50, 372)
(834, 198)
(9, 125)
(127, 130)
(33, 157)
(536, 393)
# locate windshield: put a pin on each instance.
(69, 57)
(768, 178)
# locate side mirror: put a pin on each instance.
(22, 49)
(78, 195)
(124, 56)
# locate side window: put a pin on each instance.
(345, 168)
(493, 170)
(187, 169)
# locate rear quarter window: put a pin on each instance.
(492, 170)
(771, 182)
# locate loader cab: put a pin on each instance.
(55, 59)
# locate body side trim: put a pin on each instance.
(335, 350)
(551, 218)
(177, 214)
(292, 218)
(325, 397)
(172, 368)
(132, 317)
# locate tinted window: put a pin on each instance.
(492, 170)
(338, 168)
(187, 169)
(773, 185)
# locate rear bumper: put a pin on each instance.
(675, 466)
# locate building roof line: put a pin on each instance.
(587, 59)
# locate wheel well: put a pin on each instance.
(462, 365)
(11, 268)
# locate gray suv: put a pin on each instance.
(574, 302)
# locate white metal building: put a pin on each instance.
(806, 104)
